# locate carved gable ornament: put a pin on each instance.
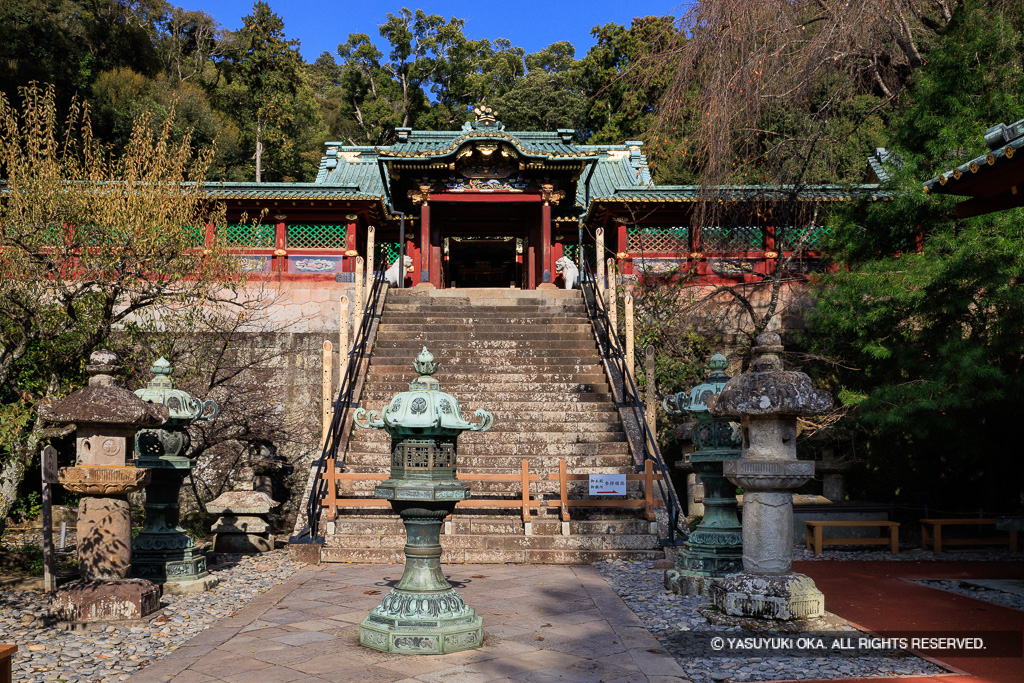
(486, 167)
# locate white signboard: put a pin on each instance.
(607, 484)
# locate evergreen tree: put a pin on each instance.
(924, 316)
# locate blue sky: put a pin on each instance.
(531, 24)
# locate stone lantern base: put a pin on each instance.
(422, 624)
(118, 600)
(765, 596)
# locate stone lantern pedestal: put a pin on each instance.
(768, 401)
(106, 417)
(423, 614)
(714, 549)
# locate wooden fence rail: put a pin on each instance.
(525, 500)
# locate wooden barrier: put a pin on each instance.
(647, 503)
(525, 501)
(6, 652)
(931, 534)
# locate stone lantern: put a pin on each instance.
(768, 401)
(714, 549)
(423, 614)
(164, 552)
(106, 417)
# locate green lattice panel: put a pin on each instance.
(673, 240)
(248, 235)
(195, 235)
(386, 253)
(790, 238)
(316, 236)
(738, 238)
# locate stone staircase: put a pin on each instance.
(528, 357)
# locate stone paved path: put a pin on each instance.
(541, 623)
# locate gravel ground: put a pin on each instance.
(46, 653)
(988, 594)
(679, 626)
(906, 554)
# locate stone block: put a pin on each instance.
(82, 601)
(307, 553)
(785, 597)
(242, 524)
(243, 543)
(104, 538)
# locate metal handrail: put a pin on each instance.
(612, 353)
(345, 401)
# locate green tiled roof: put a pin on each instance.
(1003, 140)
(695, 193)
(285, 191)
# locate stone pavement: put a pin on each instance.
(541, 623)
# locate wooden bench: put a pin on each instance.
(815, 539)
(6, 652)
(931, 534)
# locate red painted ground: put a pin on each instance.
(880, 596)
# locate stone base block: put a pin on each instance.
(685, 583)
(123, 599)
(190, 587)
(780, 597)
(436, 637)
(307, 553)
(243, 543)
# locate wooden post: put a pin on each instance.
(630, 351)
(649, 490)
(527, 524)
(49, 468)
(328, 357)
(343, 330)
(651, 401)
(563, 491)
(332, 491)
(370, 230)
(359, 297)
(599, 257)
(612, 300)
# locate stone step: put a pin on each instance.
(489, 556)
(512, 524)
(503, 447)
(483, 292)
(509, 390)
(470, 317)
(472, 367)
(468, 339)
(518, 436)
(368, 459)
(478, 327)
(513, 430)
(500, 490)
(504, 541)
(566, 379)
(542, 355)
(393, 311)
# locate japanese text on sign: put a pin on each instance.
(607, 484)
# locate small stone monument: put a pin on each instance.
(106, 417)
(242, 526)
(767, 400)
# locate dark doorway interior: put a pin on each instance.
(482, 262)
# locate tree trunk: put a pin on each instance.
(259, 154)
(10, 479)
